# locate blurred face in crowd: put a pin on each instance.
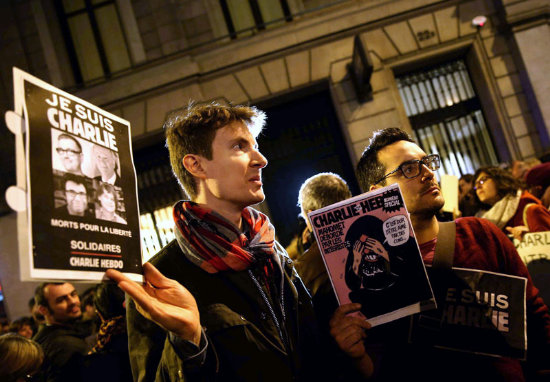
(463, 188)
(486, 189)
(77, 198)
(70, 154)
(25, 331)
(105, 161)
(63, 303)
(421, 194)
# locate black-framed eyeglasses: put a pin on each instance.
(481, 181)
(61, 151)
(74, 194)
(413, 168)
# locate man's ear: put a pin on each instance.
(42, 310)
(193, 164)
(374, 187)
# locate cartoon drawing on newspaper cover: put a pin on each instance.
(372, 257)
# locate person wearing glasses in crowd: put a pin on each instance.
(507, 204)
(383, 352)
(70, 152)
(76, 197)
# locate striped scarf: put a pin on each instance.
(214, 244)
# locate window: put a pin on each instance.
(244, 18)
(446, 117)
(93, 34)
(157, 230)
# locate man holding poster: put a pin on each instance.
(252, 318)
(393, 157)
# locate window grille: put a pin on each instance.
(446, 117)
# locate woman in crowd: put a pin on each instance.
(20, 358)
(22, 326)
(505, 203)
(106, 203)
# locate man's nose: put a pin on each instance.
(259, 160)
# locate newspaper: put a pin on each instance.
(371, 255)
(80, 189)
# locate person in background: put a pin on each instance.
(37, 317)
(520, 167)
(63, 336)
(108, 360)
(467, 204)
(301, 241)
(20, 358)
(22, 326)
(506, 204)
(538, 181)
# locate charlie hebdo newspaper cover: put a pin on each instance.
(372, 257)
(82, 208)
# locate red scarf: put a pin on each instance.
(214, 244)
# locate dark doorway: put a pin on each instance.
(303, 137)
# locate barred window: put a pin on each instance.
(446, 117)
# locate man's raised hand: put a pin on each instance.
(164, 301)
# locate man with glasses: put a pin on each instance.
(393, 157)
(70, 152)
(76, 196)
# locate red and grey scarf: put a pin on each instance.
(213, 243)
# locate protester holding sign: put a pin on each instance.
(512, 209)
(393, 157)
(252, 319)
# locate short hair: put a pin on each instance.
(108, 300)
(67, 136)
(369, 169)
(505, 183)
(78, 179)
(39, 295)
(18, 324)
(191, 130)
(322, 190)
(469, 178)
(19, 356)
(105, 188)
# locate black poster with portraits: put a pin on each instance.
(82, 210)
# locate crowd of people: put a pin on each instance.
(224, 301)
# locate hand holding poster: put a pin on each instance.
(82, 214)
(371, 255)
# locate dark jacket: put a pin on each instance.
(244, 341)
(64, 349)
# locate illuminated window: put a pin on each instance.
(96, 44)
(446, 117)
(157, 230)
